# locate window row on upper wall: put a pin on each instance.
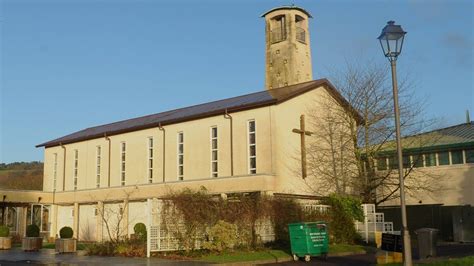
(429, 159)
(150, 164)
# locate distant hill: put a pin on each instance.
(21, 175)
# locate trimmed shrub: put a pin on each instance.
(66, 232)
(344, 211)
(125, 248)
(140, 231)
(32, 230)
(4, 231)
(222, 236)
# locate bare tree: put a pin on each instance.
(114, 217)
(344, 148)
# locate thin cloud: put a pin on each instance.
(460, 48)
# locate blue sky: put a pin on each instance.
(67, 65)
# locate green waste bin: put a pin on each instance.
(309, 240)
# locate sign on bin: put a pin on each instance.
(391, 242)
(318, 238)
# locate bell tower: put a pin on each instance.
(287, 47)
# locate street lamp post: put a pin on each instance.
(391, 40)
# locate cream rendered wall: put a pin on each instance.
(65, 218)
(197, 152)
(48, 169)
(455, 186)
(87, 222)
(287, 144)
(116, 224)
(86, 165)
(137, 213)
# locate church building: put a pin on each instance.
(252, 143)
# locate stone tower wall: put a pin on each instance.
(288, 58)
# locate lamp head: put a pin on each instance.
(391, 40)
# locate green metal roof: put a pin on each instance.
(453, 137)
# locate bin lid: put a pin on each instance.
(307, 223)
(421, 230)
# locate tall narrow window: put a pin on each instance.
(443, 158)
(97, 170)
(76, 164)
(252, 147)
(300, 32)
(278, 29)
(469, 154)
(214, 163)
(122, 164)
(180, 156)
(417, 160)
(393, 162)
(406, 161)
(55, 171)
(381, 164)
(430, 159)
(150, 160)
(457, 157)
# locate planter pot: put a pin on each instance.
(65, 245)
(32, 243)
(6, 242)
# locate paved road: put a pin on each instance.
(443, 251)
(16, 256)
(355, 260)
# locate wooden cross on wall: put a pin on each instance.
(303, 133)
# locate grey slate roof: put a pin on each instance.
(235, 104)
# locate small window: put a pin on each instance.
(418, 160)
(443, 158)
(430, 159)
(393, 162)
(456, 157)
(406, 161)
(382, 164)
(469, 156)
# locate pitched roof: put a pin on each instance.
(457, 136)
(230, 105)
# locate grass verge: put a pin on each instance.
(270, 254)
(342, 248)
(80, 246)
